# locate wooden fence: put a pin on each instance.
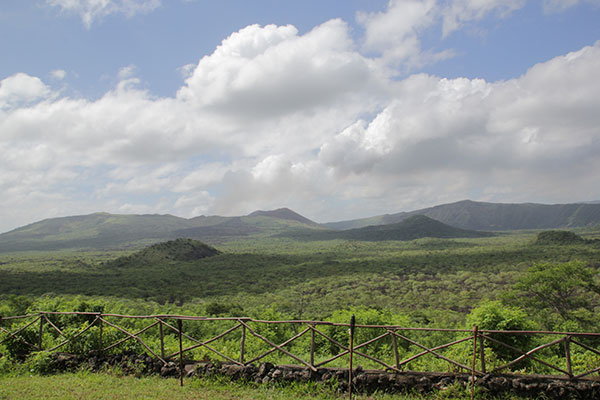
(561, 342)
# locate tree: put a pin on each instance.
(559, 295)
(492, 315)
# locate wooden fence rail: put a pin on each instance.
(11, 328)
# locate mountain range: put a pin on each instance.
(461, 219)
(475, 215)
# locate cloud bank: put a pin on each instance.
(314, 121)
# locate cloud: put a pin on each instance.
(261, 72)
(58, 74)
(556, 6)
(21, 90)
(275, 118)
(201, 177)
(535, 134)
(273, 182)
(195, 204)
(427, 115)
(458, 12)
(91, 11)
(394, 33)
(127, 72)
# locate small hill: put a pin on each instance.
(284, 213)
(414, 227)
(558, 238)
(182, 250)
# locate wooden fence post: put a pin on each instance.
(162, 339)
(243, 344)
(475, 329)
(312, 346)
(180, 327)
(100, 339)
(482, 354)
(568, 355)
(352, 326)
(396, 355)
(41, 331)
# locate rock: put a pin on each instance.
(264, 369)
(277, 373)
(233, 371)
(169, 369)
(189, 370)
(363, 381)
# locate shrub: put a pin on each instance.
(492, 315)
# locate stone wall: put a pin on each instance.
(364, 381)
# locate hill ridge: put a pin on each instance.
(283, 213)
(102, 230)
(411, 228)
(475, 215)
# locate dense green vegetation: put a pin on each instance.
(507, 281)
(556, 237)
(434, 280)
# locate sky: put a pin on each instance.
(337, 109)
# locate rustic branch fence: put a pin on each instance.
(397, 335)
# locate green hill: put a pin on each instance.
(474, 215)
(411, 228)
(98, 231)
(558, 238)
(414, 227)
(111, 231)
(284, 213)
(179, 250)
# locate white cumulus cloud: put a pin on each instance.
(271, 70)
(394, 34)
(21, 89)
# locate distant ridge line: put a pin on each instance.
(473, 215)
(283, 213)
(119, 231)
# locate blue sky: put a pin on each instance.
(337, 109)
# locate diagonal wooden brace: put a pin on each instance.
(205, 344)
(438, 355)
(264, 339)
(74, 337)
(443, 346)
(128, 338)
(134, 337)
(347, 350)
(526, 354)
(272, 349)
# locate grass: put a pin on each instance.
(85, 385)
(88, 386)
